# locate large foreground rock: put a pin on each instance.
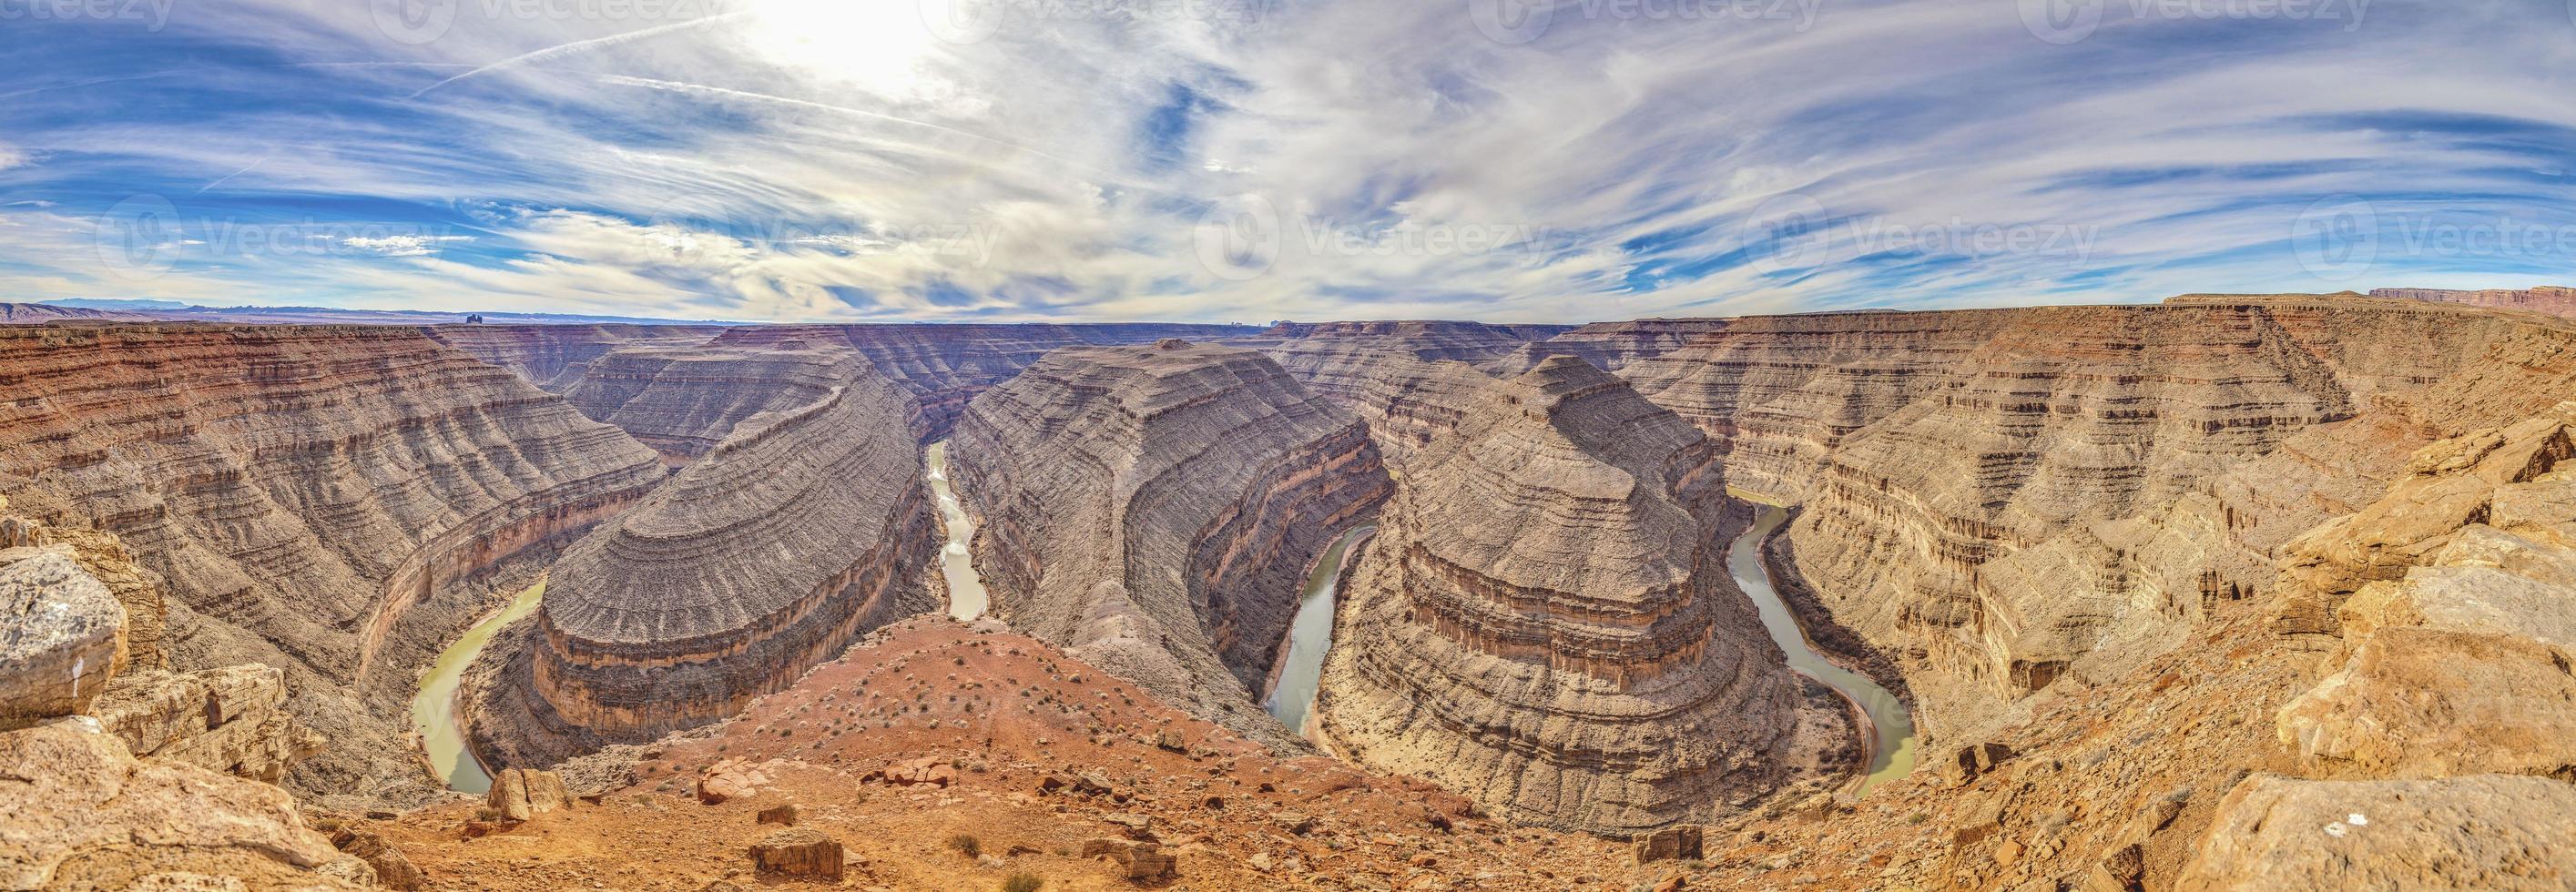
(62, 636)
(77, 810)
(2484, 833)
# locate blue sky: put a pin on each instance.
(1246, 160)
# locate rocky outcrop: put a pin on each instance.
(334, 501)
(2454, 597)
(40, 314)
(2500, 833)
(557, 358)
(83, 813)
(682, 401)
(1610, 346)
(2555, 301)
(945, 365)
(1153, 510)
(232, 720)
(1544, 623)
(803, 530)
(62, 636)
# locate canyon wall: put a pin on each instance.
(945, 365)
(557, 357)
(806, 528)
(1958, 470)
(682, 401)
(333, 501)
(1610, 346)
(2555, 301)
(1154, 510)
(1544, 622)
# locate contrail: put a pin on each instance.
(583, 46)
(201, 190)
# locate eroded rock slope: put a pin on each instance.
(806, 528)
(1153, 510)
(1544, 622)
(332, 501)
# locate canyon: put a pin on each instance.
(2228, 592)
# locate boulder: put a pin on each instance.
(799, 852)
(1679, 843)
(65, 638)
(520, 794)
(1136, 860)
(778, 814)
(1964, 766)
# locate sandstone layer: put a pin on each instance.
(1610, 346)
(804, 529)
(557, 358)
(682, 401)
(2555, 301)
(945, 365)
(1544, 622)
(1154, 509)
(333, 501)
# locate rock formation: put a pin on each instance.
(63, 639)
(1153, 510)
(2555, 301)
(1611, 346)
(557, 358)
(945, 365)
(1544, 624)
(232, 719)
(682, 401)
(804, 529)
(40, 314)
(334, 501)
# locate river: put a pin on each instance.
(1891, 752)
(966, 596)
(434, 713)
(1310, 635)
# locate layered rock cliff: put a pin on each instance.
(682, 401)
(806, 528)
(1610, 346)
(2555, 301)
(1544, 623)
(557, 358)
(333, 501)
(1154, 509)
(945, 365)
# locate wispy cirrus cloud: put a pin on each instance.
(1258, 159)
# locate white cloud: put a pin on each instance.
(11, 157)
(400, 245)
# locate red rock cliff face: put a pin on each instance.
(944, 366)
(805, 529)
(1544, 622)
(324, 499)
(2552, 300)
(1154, 509)
(557, 357)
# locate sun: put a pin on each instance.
(882, 46)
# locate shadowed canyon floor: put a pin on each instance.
(2234, 592)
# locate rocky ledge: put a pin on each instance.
(805, 529)
(1544, 622)
(1154, 509)
(682, 401)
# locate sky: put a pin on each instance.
(1254, 160)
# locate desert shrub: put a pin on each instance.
(1022, 882)
(966, 844)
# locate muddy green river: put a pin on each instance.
(1891, 752)
(433, 712)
